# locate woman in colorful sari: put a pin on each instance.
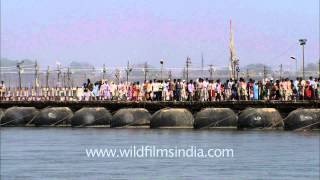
(134, 92)
(129, 91)
(105, 90)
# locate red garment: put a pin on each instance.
(308, 92)
(212, 93)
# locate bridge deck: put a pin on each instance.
(283, 106)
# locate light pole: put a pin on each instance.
(235, 66)
(69, 76)
(296, 61)
(264, 72)
(145, 70)
(19, 66)
(59, 73)
(211, 70)
(47, 77)
(302, 43)
(238, 70)
(161, 62)
(188, 62)
(117, 75)
(104, 71)
(128, 70)
(64, 80)
(36, 68)
(170, 75)
(247, 74)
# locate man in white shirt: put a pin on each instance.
(205, 89)
(155, 89)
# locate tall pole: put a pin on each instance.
(237, 70)
(58, 73)
(104, 71)
(68, 76)
(302, 43)
(232, 53)
(128, 70)
(145, 70)
(303, 75)
(161, 62)
(264, 72)
(188, 62)
(233, 70)
(235, 65)
(211, 70)
(64, 79)
(35, 74)
(237, 75)
(296, 61)
(19, 66)
(47, 77)
(20, 84)
(117, 75)
(247, 73)
(234, 61)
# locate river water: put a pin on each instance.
(60, 153)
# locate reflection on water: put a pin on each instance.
(59, 153)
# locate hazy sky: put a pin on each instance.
(114, 31)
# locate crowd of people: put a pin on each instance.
(172, 90)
